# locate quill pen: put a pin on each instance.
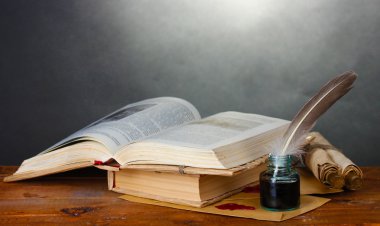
(305, 119)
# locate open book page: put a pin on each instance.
(135, 122)
(218, 130)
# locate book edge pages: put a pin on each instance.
(111, 179)
(198, 204)
(59, 169)
(107, 167)
(195, 170)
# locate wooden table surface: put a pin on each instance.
(81, 197)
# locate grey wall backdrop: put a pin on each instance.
(63, 64)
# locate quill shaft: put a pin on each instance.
(315, 107)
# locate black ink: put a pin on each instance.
(280, 195)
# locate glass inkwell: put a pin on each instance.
(280, 185)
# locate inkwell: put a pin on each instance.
(280, 183)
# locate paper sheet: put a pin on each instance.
(251, 201)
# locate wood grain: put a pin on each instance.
(82, 197)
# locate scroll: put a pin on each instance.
(331, 166)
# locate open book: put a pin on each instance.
(162, 130)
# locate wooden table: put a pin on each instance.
(81, 197)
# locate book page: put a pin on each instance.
(135, 122)
(218, 130)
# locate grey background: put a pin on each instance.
(64, 64)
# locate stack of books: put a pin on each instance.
(162, 149)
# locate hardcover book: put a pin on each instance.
(190, 189)
(156, 132)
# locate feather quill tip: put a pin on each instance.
(295, 136)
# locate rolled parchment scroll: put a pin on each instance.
(323, 168)
(325, 161)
